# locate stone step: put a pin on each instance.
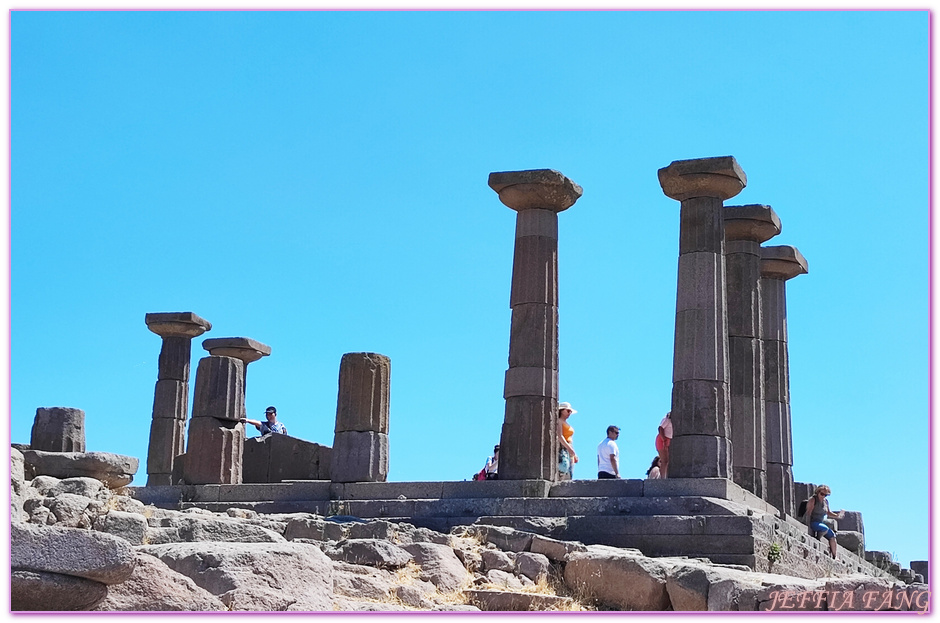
(515, 601)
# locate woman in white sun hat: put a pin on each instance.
(567, 457)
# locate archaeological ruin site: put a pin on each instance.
(224, 522)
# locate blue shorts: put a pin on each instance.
(819, 526)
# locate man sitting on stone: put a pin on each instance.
(270, 426)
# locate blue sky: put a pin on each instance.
(317, 181)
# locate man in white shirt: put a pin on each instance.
(608, 455)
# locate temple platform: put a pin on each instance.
(699, 518)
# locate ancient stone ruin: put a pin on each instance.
(329, 531)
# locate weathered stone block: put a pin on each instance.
(167, 441)
(742, 285)
(780, 487)
(921, 567)
(720, 177)
(115, 470)
(779, 441)
(782, 262)
(852, 521)
(537, 222)
(531, 381)
(700, 456)
(359, 457)
(177, 324)
(275, 458)
(535, 271)
(58, 429)
(363, 400)
(852, 541)
(754, 222)
(773, 295)
(700, 226)
(220, 389)
(544, 189)
(700, 408)
(527, 445)
(534, 336)
(171, 399)
(700, 347)
(175, 355)
(242, 348)
(214, 450)
(776, 371)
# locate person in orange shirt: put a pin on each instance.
(567, 457)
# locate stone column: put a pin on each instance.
(243, 348)
(701, 444)
(171, 394)
(746, 227)
(58, 429)
(528, 444)
(360, 439)
(778, 264)
(216, 437)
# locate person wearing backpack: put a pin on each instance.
(817, 507)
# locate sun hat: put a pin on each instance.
(566, 405)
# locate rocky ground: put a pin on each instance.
(79, 545)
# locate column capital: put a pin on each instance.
(243, 348)
(757, 223)
(720, 177)
(544, 189)
(177, 324)
(782, 262)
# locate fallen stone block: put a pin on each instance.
(39, 590)
(619, 580)
(275, 458)
(114, 470)
(155, 587)
(129, 526)
(71, 551)
(371, 552)
(439, 566)
(255, 576)
(193, 528)
(510, 601)
(533, 566)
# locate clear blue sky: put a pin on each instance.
(317, 181)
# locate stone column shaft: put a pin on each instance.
(360, 438)
(528, 444)
(701, 445)
(778, 264)
(171, 393)
(58, 429)
(216, 437)
(746, 227)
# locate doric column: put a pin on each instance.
(746, 227)
(778, 264)
(243, 348)
(360, 439)
(216, 438)
(701, 444)
(528, 447)
(171, 394)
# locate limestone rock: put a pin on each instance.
(619, 580)
(115, 470)
(82, 553)
(254, 576)
(39, 590)
(440, 566)
(155, 587)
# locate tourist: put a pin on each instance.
(818, 510)
(492, 464)
(663, 441)
(653, 472)
(271, 425)
(608, 455)
(567, 457)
